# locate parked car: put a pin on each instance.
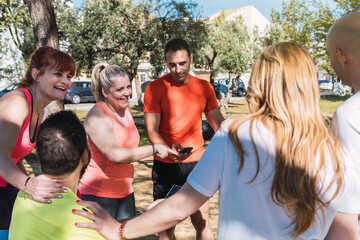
(7, 88)
(239, 88)
(80, 91)
(220, 90)
(325, 84)
(224, 81)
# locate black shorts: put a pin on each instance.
(165, 175)
(118, 208)
(7, 200)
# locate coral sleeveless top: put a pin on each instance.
(104, 178)
(24, 144)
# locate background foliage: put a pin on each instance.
(126, 33)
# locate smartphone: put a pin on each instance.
(185, 150)
(173, 190)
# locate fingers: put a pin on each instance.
(85, 225)
(176, 153)
(93, 206)
(43, 197)
(164, 151)
(43, 188)
(176, 146)
(181, 157)
(102, 221)
(84, 214)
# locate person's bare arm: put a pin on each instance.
(99, 128)
(215, 118)
(14, 110)
(161, 217)
(344, 226)
(21, 166)
(152, 123)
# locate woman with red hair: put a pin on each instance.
(21, 111)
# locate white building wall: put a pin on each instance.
(251, 16)
(10, 57)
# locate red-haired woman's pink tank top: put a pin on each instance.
(24, 144)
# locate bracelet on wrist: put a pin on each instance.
(26, 182)
(121, 230)
(153, 148)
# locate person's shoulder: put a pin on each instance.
(160, 80)
(156, 84)
(95, 116)
(204, 83)
(352, 102)
(15, 104)
(350, 108)
(199, 79)
(15, 97)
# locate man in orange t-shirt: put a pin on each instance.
(173, 107)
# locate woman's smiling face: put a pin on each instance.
(119, 93)
(53, 83)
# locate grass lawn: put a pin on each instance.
(328, 105)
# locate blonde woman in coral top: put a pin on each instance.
(113, 140)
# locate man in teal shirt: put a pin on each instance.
(64, 155)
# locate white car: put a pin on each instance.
(325, 84)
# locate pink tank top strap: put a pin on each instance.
(105, 110)
(28, 119)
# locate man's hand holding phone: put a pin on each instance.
(183, 153)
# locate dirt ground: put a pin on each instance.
(143, 197)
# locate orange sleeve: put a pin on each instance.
(211, 102)
(152, 98)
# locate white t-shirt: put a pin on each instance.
(246, 210)
(345, 126)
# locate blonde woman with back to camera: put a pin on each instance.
(113, 141)
(281, 175)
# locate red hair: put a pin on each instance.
(44, 57)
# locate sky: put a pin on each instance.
(209, 7)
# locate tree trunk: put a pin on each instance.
(139, 93)
(44, 23)
(46, 34)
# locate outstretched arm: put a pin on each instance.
(99, 128)
(344, 226)
(161, 217)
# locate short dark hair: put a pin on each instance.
(61, 141)
(176, 44)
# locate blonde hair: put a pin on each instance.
(102, 78)
(283, 94)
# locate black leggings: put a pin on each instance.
(118, 208)
(7, 199)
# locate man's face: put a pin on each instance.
(179, 63)
(334, 61)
